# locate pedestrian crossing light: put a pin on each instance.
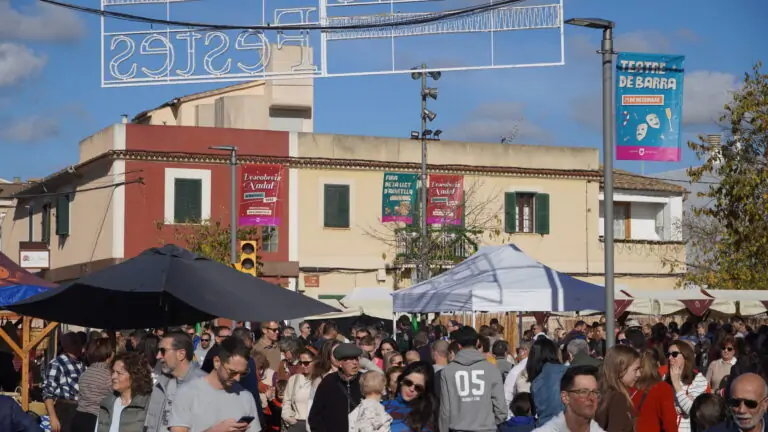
(247, 262)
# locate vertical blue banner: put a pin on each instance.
(649, 106)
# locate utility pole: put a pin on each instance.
(421, 73)
(233, 204)
(606, 51)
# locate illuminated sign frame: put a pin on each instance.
(120, 50)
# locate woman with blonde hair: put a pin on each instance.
(621, 368)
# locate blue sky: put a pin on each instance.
(51, 98)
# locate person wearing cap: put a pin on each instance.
(338, 393)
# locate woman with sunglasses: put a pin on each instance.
(721, 368)
(414, 407)
(296, 398)
(687, 382)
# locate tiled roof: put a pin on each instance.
(8, 189)
(199, 95)
(630, 181)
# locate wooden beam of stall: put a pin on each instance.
(17, 349)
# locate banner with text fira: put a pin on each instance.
(649, 106)
(397, 197)
(260, 195)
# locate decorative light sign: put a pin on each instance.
(140, 54)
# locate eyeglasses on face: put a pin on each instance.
(728, 348)
(397, 363)
(235, 373)
(305, 363)
(674, 354)
(164, 350)
(749, 403)
(205, 339)
(418, 388)
(273, 329)
(585, 393)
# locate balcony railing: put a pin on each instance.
(446, 246)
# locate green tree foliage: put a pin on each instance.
(734, 245)
(211, 239)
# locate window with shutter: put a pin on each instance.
(46, 223)
(62, 215)
(187, 200)
(336, 206)
(510, 211)
(541, 207)
(524, 212)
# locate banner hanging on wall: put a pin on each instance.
(445, 199)
(649, 106)
(260, 195)
(397, 197)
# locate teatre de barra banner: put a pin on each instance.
(445, 199)
(649, 106)
(397, 197)
(260, 195)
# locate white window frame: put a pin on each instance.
(171, 174)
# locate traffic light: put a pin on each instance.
(247, 262)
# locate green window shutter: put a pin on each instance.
(541, 218)
(336, 206)
(187, 200)
(510, 213)
(46, 223)
(62, 215)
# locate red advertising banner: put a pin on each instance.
(260, 195)
(445, 199)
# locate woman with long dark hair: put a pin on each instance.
(544, 372)
(414, 407)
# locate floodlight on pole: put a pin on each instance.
(426, 133)
(436, 134)
(435, 75)
(414, 135)
(606, 51)
(429, 115)
(429, 92)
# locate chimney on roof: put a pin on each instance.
(125, 118)
(17, 179)
(715, 141)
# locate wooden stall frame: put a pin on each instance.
(22, 351)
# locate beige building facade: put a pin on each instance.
(369, 253)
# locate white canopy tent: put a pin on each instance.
(751, 302)
(500, 279)
(375, 302)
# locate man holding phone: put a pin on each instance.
(218, 403)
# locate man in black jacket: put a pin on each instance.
(13, 418)
(339, 393)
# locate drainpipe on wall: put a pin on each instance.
(30, 217)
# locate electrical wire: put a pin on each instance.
(422, 19)
(95, 188)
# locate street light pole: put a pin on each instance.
(424, 264)
(606, 51)
(233, 204)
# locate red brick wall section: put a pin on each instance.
(144, 204)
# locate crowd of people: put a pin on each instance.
(447, 378)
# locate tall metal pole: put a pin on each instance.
(607, 54)
(424, 264)
(233, 207)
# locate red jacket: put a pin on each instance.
(657, 412)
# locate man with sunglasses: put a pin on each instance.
(748, 402)
(218, 403)
(267, 344)
(471, 389)
(178, 369)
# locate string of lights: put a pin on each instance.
(395, 21)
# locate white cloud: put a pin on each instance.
(30, 129)
(493, 120)
(705, 94)
(17, 63)
(43, 22)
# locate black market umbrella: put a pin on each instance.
(167, 286)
